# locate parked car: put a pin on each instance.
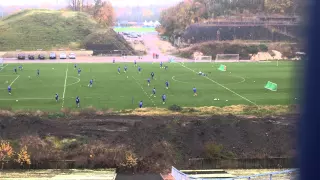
(72, 56)
(41, 56)
(21, 56)
(63, 56)
(31, 57)
(52, 55)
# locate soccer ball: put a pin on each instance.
(7, 82)
(226, 100)
(52, 68)
(17, 100)
(127, 76)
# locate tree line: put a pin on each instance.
(175, 19)
(101, 10)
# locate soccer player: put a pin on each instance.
(9, 90)
(38, 72)
(139, 69)
(119, 70)
(15, 70)
(148, 81)
(79, 71)
(140, 104)
(167, 84)
(164, 97)
(161, 64)
(165, 67)
(125, 69)
(194, 91)
(78, 101)
(57, 97)
(75, 66)
(152, 74)
(154, 92)
(90, 83)
(113, 61)
(20, 67)
(135, 63)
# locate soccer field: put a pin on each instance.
(243, 83)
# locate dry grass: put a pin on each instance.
(192, 111)
(55, 173)
(248, 172)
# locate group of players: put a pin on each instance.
(164, 97)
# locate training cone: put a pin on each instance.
(222, 68)
(271, 86)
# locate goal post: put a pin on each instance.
(227, 57)
(203, 59)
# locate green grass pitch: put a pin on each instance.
(243, 83)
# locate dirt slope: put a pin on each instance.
(160, 142)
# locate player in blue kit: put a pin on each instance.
(164, 97)
(15, 70)
(140, 104)
(161, 64)
(57, 97)
(20, 68)
(79, 71)
(148, 80)
(78, 101)
(152, 75)
(90, 83)
(194, 91)
(125, 69)
(9, 90)
(153, 92)
(119, 70)
(167, 84)
(139, 69)
(38, 72)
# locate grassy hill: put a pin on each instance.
(46, 29)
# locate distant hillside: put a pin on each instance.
(46, 29)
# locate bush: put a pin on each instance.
(175, 108)
(263, 48)
(253, 49)
(213, 151)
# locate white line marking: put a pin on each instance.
(222, 86)
(4, 67)
(144, 90)
(74, 82)
(173, 78)
(65, 85)
(14, 80)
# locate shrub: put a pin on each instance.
(23, 157)
(213, 151)
(130, 160)
(175, 108)
(253, 49)
(6, 152)
(263, 48)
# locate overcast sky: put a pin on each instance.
(114, 2)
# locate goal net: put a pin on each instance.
(227, 57)
(203, 59)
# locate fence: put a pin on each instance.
(177, 175)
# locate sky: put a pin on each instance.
(114, 2)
